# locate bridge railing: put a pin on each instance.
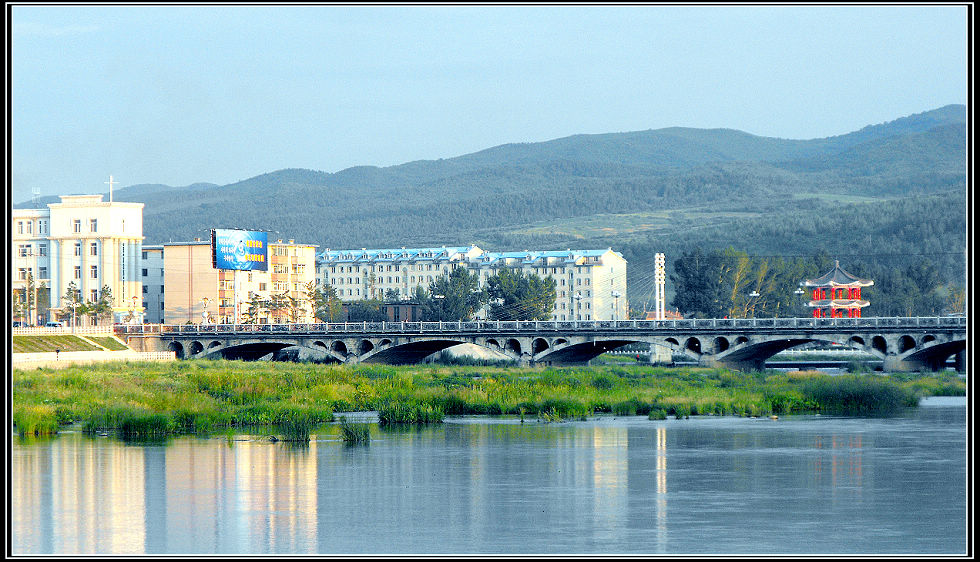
(489, 326)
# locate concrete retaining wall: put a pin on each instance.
(66, 358)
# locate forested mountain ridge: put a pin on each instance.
(492, 197)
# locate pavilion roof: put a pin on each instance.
(837, 277)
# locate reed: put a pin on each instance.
(401, 412)
(859, 395)
(208, 396)
(35, 420)
(354, 433)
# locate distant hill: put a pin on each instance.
(492, 196)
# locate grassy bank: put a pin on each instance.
(146, 399)
(42, 344)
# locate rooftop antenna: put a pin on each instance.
(110, 182)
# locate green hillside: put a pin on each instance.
(887, 190)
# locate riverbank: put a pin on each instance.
(160, 398)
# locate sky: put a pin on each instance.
(179, 94)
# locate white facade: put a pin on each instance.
(590, 284)
(81, 239)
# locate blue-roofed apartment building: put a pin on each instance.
(590, 284)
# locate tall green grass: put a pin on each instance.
(149, 398)
(354, 433)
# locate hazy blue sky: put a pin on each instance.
(184, 94)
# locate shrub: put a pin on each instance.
(354, 433)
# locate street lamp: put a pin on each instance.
(753, 295)
(799, 291)
(132, 311)
(578, 306)
(616, 295)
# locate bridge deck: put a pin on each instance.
(759, 325)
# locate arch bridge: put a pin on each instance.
(903, 344)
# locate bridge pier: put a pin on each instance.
(892, 364)
(660, 355)
(961, 361)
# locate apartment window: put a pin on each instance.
(161, 289)
(94, 272)
(144, 272)
(93, 249)
(42, 250)
(145, 289)
(30, 227)
(24, 250)
(20, 227)
(144, 257)
(42, 272)
(262, 287)
(249, 276)
(93, 225)
(94, 295)
(22, 274)
(78, 248)
(78, 272)
(76, 225)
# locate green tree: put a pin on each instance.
(101, 308)
(515, 295)
(257, 308)
(698, 291)
(365, 310)
(73, 308)
(455, 297)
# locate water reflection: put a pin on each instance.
(478, 485)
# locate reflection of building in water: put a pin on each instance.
(198, 476)
(610, 478)
(94, 498)
(844, 466)
(277, 484)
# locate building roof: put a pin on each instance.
(471, 254)
(839, 303)
(837, 277)
(443, 253)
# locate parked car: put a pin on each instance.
(54, 325)
(19, 324)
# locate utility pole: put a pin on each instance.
(660, 282)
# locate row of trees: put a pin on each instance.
(730, 283)
(509, 295)
(75, 307)
(33, 298)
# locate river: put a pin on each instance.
(482, 485)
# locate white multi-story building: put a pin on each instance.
(590, 284)
(85, 240)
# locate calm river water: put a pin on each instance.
(712, 485)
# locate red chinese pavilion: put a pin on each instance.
(837, 294)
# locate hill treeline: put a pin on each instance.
(879, 199)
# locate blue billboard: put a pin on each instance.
(243, 250)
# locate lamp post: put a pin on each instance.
(578, 306)
(753, 295)
(132, 311)
(799, 291)
(204, 313)
(616, 295)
